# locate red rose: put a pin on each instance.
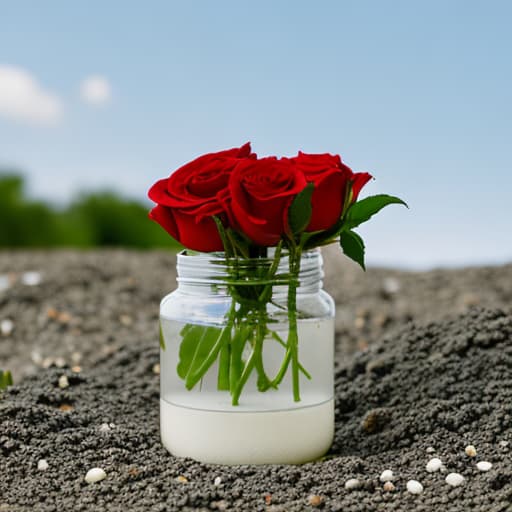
(331, 178)
(260, 194)
(189, 197)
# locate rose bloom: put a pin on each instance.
(331, 178)
(188, 198)
(260, 194)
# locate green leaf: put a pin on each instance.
(299, 213)
(190, 337)
(353, 246)
(361, 211)
(162, 341)
(199, 348)
(5, 379)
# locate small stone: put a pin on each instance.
(42, 465)
(375, 420)
(359, 322)
(47, 362)
(454, 479)
(219, 505)
(63, 382)
(434, 465)
(470, 451)
(483, 465)
(156, 369)
(31, 278)
(6, 327)
(470, 299)
(414, 487)
(315, 500)
(217, 481)
(76, 369)
(60, 362)
(126, 320)
(352, 483)
(5, 282)
(391, 285)
(65, 407)
(76, 357)
(503, 444)
(386, 476)
(36, 357)
(389, 486)
(64, 318)
(105, 427)
(431, 449)
(181, 479)
(52, 313)
(95, 475)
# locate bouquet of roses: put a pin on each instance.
(248, 208)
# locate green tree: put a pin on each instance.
(98, 219)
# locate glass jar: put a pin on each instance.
(265, 427)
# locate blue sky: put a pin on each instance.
(418, 93)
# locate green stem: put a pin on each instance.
(293, 339)
(286, 361)
(249, 366)
(261, 330)
(236, 363)
(225, 351)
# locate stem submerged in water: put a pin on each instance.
(293, 338)
(250, 285)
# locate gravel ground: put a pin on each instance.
(431, 373)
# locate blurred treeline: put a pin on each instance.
(94, 219)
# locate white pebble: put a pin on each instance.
(484, 465)
(95, 475)
(5, 282)
(36, 357)
(414, 487)
(454, 479)
(60, 362)
(431, 449)
(105, 427)
(386, 476)
(391, 285)
(31, 278)
(76, 357)
(434, 465)
(352, 483)
(217, 481)
(6, 327)
(503, 444)
(63, 382)
(470, 451)
(42, 465)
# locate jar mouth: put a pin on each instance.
(215, 269)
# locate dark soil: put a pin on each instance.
(433, 369)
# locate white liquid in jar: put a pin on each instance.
(279, 437)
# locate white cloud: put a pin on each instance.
(95, 90)
(22, 98)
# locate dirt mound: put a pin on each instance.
(438, 386)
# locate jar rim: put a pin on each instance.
(214, 268)
(220, 256)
